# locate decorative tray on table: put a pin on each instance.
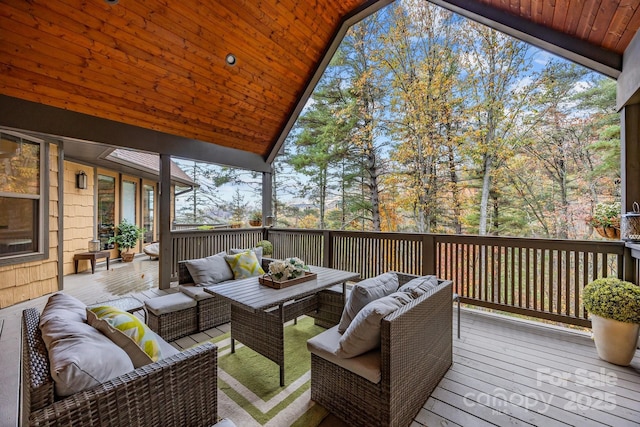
(272, 282)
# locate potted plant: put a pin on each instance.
(614, 306)
(255, 219)
(606, 220)
(267, 247)
(126, 237)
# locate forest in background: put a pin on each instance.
(427, 122)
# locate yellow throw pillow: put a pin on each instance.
(244, 264)
(128, 332)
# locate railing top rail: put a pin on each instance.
(615, 247)
(192, 232)
(297, 230)
(352, 233)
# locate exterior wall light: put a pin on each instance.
(81, 180)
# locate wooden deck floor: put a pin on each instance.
(506, 372)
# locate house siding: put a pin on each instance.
(22, 282)
(78, 215)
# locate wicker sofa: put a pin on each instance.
(415, 353)
(180, 390)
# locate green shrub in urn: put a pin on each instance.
(614, 307)
(127, 235)
(267, 247)
(613, 299)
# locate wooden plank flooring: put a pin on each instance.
(506, 372)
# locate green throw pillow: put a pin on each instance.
(244, 264)
(128, 332)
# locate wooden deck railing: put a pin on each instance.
(536, 277)
(202, 243)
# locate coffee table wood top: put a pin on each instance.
(252, 296)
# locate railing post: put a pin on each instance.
(629, 273)
(327, 255)
(428, 254)
(166, 245)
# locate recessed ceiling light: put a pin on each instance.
(231, 59)
(111, 1)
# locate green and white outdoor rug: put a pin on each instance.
(249, 391)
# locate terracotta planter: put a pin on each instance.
(255, 223)
(608, 232)
(615, 341)
(127, 256)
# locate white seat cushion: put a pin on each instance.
(326, 345)
(169, 303)
(195, 292)
(153, 250)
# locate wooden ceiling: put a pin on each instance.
(160, 65)
(610, 24)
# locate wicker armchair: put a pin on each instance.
(180, 390)
(416, 352)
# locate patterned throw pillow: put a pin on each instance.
(244, 264)
(257, 250)
(128, 332)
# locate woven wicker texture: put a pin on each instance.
(174, 325)
(177, 391)
(416, 348)
(330, 306)
(211, 312)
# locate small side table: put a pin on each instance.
(91, 256)
(128, 304)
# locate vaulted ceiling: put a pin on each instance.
(159, 65)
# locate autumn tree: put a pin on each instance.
(493, 64)
(358, 63)
(421, 65)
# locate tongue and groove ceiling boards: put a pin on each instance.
(143, 68)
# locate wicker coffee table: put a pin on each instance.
(258, 312)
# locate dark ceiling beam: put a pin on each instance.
(354, 17)
(579, 51)
(629, 81)
(33, 117)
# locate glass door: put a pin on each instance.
(106, 210)
(148, 201)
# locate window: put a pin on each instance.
(129, 202)
(106, 210)
(22, 211)
(147, 213)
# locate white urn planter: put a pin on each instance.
(616, 341)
